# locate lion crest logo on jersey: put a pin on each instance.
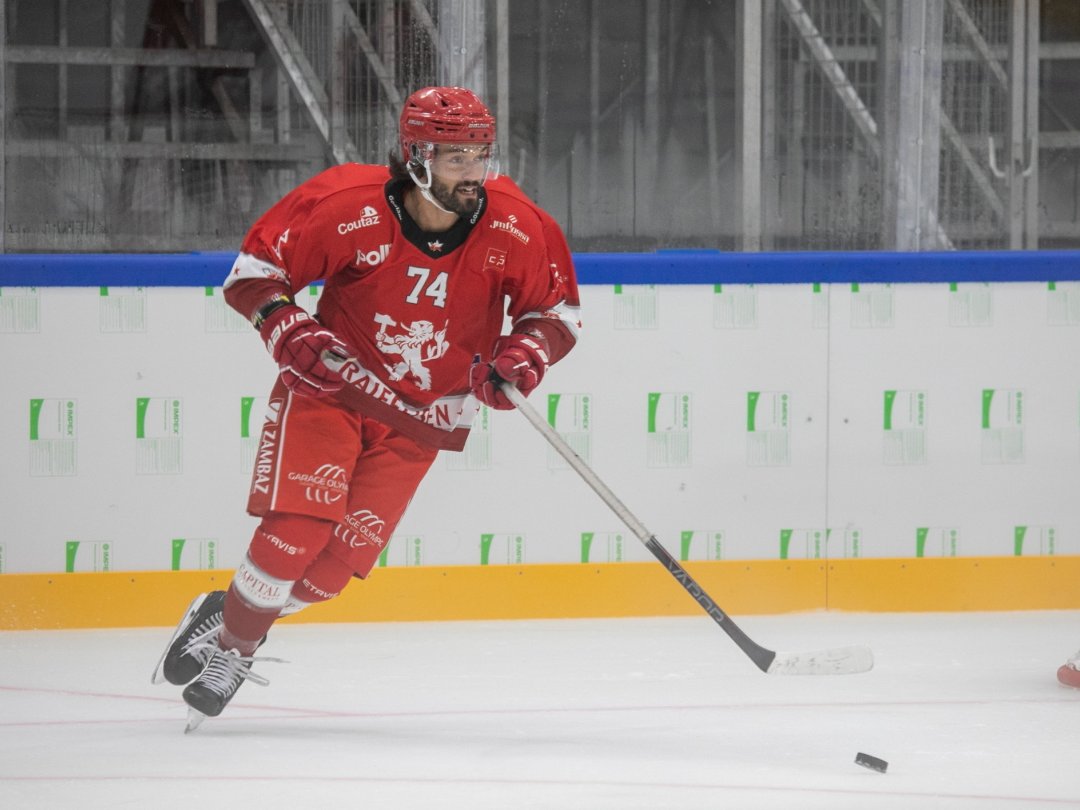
(417, 343)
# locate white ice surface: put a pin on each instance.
(591, 714)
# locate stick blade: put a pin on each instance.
(835, 661)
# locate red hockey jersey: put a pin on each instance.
(416, 307)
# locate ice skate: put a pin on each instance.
(212, 690)
(1068, 674)
(187, 652)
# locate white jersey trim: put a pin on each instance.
(569, 316)
(247, 266)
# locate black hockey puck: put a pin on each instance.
(873, 763)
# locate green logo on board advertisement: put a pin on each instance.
(158, 436)
(734, 306)
(502, 549)
(122, 309)
(194, 553)
(571, 417)
(20, 310)
(971, 304)
(1063, 303)
(80, 556)
(768, 428)
(53, 437)
(636, 307)
(871, 306)
(819, 306)
(603, 547)
(1002, 426)
(248, 430)
(905, 427)
(411, 546)
(815, 544)
(937, 541)
(701, 545)
(414, 549)
(1033, 541)
(667, 428)
(802, 544)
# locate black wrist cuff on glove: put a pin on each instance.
(266, 310)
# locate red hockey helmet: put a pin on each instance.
(444, 115)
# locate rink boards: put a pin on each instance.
(542, 591)
(811, 413)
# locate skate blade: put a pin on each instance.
(158, 676)
(194, 720)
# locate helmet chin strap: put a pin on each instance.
(425, 188)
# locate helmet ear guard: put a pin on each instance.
(414, 159)
(417, 162)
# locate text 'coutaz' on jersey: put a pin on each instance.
(415, 307)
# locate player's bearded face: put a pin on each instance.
(459, 196)
(457, 172)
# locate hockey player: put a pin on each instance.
(421, 264)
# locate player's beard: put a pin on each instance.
(449, 199)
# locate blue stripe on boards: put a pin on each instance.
(662, 267)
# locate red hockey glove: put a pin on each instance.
(297, 341)
(519, 359)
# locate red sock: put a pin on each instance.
(245, 624)
(323, 580)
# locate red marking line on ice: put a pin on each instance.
(560, 783)
(287, 713)
(299, 713)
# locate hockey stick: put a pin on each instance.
(837, 661)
